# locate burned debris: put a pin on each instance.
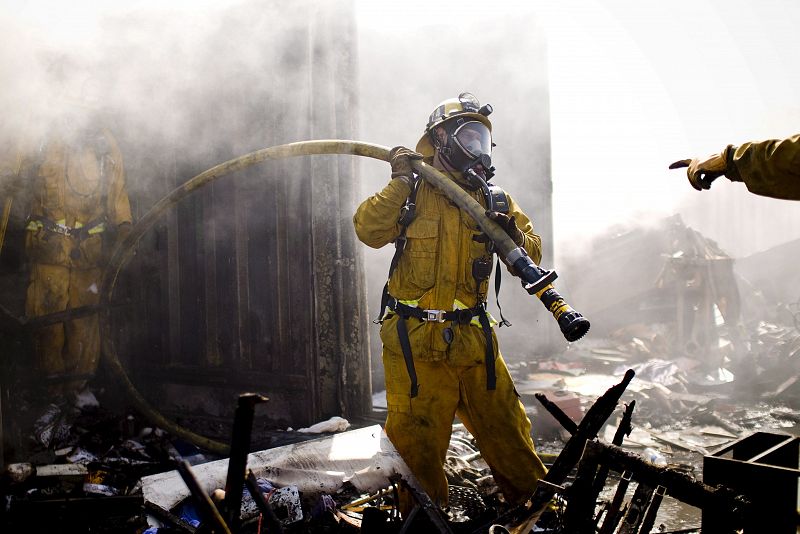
(356, 482)
(623, 456)
(682, 415)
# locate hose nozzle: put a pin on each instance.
(534, 278)
(573, 325)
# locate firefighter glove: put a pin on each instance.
(702, 172)
(400, 159)
(509, 224)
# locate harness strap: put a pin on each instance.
(497, 200)
(491, 377)
(497, 272)
(384, 303)
(92, 227)
(407, 214)
(78, 233)
(462, 316)
(405, 345)
(404, 312)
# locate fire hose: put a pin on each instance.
(535, 280)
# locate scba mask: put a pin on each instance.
(468, 144)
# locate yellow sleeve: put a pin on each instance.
(533, 243)
(769, 168)
(119, 207)
(375, 219)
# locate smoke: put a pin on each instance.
(636, 86)
(182, 86)
(610, 93)
(223, 279)
(177, 74)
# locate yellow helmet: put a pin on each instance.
(457, 112)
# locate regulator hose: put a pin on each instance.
(122, 254)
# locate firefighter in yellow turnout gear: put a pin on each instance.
(436, 307)
(78, 196)
(769, 168)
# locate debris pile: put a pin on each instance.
(84, 467)
(716, 384)
(355, 481)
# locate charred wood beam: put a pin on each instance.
(581, 497)
(212, 519)
(678, 485)
(588, 428)
(652, 510)
(237, 463)
(407, 525)
(565, 420)
(636, 509)
(423, 504)
(613, 515)
(571, 454)
(624, 429)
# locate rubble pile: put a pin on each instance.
(714, 341)
(119, 472)
(351, 481)
(682, 405)
(715, 379)
(84, 465)
(110, 473)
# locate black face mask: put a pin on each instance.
(482, 166)
(468, 147)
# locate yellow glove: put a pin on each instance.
(702, 173)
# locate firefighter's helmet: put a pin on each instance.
(467, 127)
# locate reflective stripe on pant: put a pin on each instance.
(420, 428)
(72, 347)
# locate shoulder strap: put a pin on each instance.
(497, 200)
(498, 270)
(407, 214)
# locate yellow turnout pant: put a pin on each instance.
(420, 427)
(71, 347)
